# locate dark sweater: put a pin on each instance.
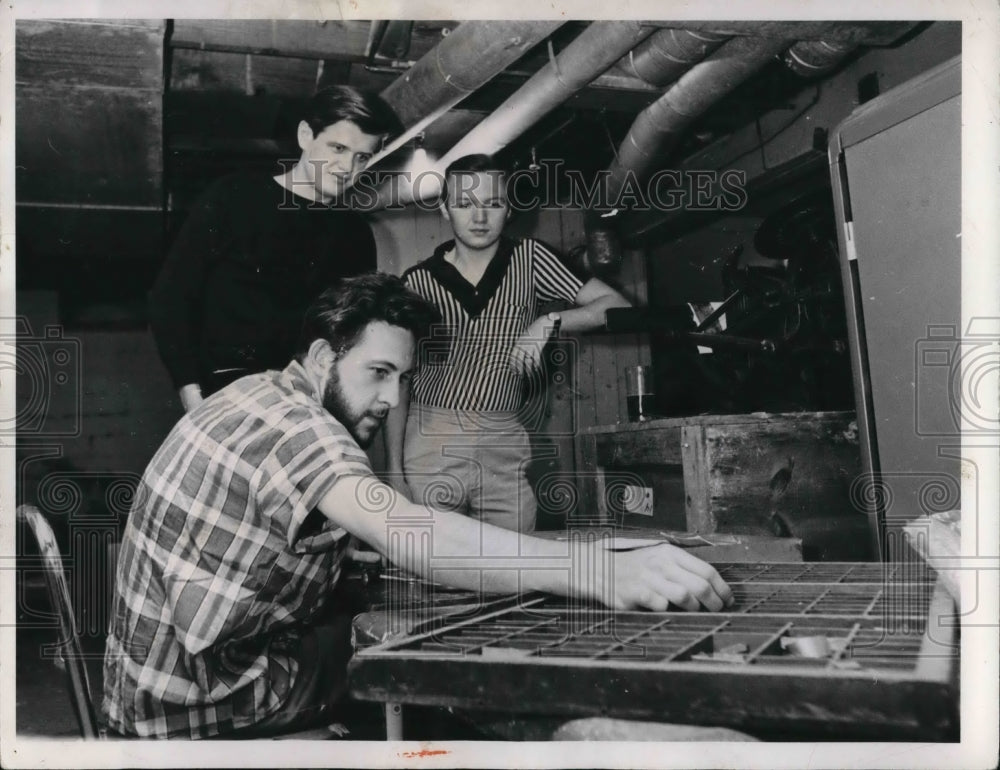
(248, 261)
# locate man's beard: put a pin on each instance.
(336, 404)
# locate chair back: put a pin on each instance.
(69, 642)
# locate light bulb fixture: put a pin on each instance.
(533, 166)
(421, 163)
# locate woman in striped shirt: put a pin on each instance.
(460, 443)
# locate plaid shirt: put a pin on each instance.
(219, 567)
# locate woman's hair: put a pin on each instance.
(471, 164)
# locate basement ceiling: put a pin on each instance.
(160, 108)
(233, 90)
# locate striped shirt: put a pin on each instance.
(465, 364)
(219, 566)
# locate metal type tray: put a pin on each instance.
(837, 649)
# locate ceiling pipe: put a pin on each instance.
(663, 123)
(466, 59)
(592, 52)
(814, 58)
(869, 33)
(669, 53)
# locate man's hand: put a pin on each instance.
(190, 396)
(526, 355)
(653, 578)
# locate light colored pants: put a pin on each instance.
(470, 462)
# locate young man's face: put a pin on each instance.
(364, 382)
(477, 207)
(335, 156)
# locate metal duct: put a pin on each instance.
(664, 57)
(662, 123)
(813, 58)
(473, 53)
(594, 50)
(463, 61)
(871, 33)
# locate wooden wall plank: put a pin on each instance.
(68, 233)
(589, 477)
(345, 40)
(89, 103)
(250, 74)
(284, 76)
(624, 448)
(697, 505)
(747, 465)
(306, 39)
(552, 407)
(193, 70)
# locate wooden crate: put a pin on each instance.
(728, 473)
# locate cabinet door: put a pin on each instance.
(903, 201)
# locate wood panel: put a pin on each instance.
(72, 232)
(305, 39)
(250, 74)
(89, 113)
(92, 54)
(346, 40)
(553, 409)
(794, 468)
(751, 474)
(651, 447)
(590, 478)
(697, 504)
(631, 349)
(78, 145)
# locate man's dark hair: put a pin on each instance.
(365, 109)
(342, 312)
(471, 164)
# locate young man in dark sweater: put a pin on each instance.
(257, 249)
